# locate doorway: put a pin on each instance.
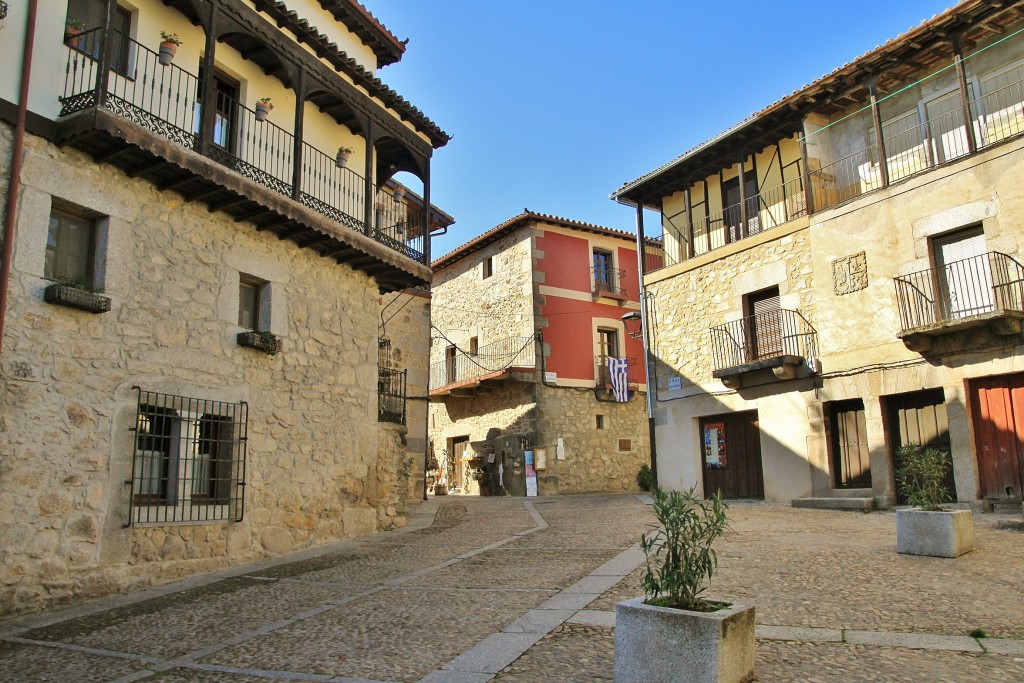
(731, 445)
(997, 410)
(919, 417)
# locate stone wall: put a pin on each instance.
(596, 459)
(317, 467)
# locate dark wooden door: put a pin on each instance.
(919, 417)
(851, 461)
(731, 445)
(459, 445)
(997, 406)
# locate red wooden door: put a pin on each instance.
(997, 404)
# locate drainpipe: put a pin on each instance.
(14, 185)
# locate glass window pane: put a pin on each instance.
(248, 305)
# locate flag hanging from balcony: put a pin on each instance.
(618, 372)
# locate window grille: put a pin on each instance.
(188, 461)
(390, 386)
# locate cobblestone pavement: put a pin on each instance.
(480, 589)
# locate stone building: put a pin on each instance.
(525, 319)
(193, 370)
(840, 275)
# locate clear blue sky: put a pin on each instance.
(553, 104)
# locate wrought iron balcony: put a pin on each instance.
(608, 282)
(981, 290)
(164, 99)
(781, 340)
(493, 361)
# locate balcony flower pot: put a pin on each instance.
(266, 342)
(72, 30)
(927, 529)
(73, 296)
(262, 109)
(672, 634)
(168, 47)
(342, 158)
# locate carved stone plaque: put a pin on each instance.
(850, 273)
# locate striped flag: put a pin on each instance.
(618, 372)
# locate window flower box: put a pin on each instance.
(76, 297)
(267, 342)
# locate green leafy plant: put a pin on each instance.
(79, 283)
(978, 633)
(644, 478)
(265, 101)
(170, 37)
(344, 150)
(921, 475)
(75, 24)
(681, 558)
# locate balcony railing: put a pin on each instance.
(165, 99)
(765, 210)
(765, 336)
(609, 281)
(512, 352)
(991, 283)
(602, 376)
(391, 387)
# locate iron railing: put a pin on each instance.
(603, 377)
(763, 336)
(609, 280)
(165, 99)
(188, 460)
(391, 388)
(511, 352)
(979, 285)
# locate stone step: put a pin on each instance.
(841, 503)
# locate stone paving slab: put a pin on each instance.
(593, 617)
(493, 653)
(26, 662)
(796, 633)
(915, 641)
(1001, 646)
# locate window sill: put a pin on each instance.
(71, 297)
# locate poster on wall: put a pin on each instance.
(714, 445)
(541, 459)
(531, 474)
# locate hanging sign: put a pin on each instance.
(714, 445)
(540, 456)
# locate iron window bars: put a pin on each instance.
(188, 460)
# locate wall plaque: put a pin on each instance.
(850, 273)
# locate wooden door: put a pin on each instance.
(919, 417)
(459, 445)
(731, 445)
(997, 406)
(848, 442)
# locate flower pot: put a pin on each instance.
(267, 343)
(71, 36)
(262, 111)
(72, 297)
(663, 644)
(341, 160)
(942, 533)
(167, 52)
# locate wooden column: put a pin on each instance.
(707, 214)
(426, 211)
(744, 231)
(690, 246)
(876, 116)
(368, 185)
(965, 100)
(208, 98)
(300, 109)
(106, 57)
(805, 172)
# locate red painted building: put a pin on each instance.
(526, 317)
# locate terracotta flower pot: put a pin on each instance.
(71, 36)
(167, 52)
(262, 111)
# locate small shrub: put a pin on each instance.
(921, 474)
(978, 633)
(644, 478)
(680, 556)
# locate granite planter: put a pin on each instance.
(942, 533)
(261, 341)
(662, 644)
(73, 297)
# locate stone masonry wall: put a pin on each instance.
(594, 458)
(67, 407)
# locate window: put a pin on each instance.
(250, 299)
(607, 343)
(189, 460)
(764, 333)
(90, 14)
(599, 423)
(474, 345)
(487, 267)
(964, 274)
(225, 117)
(70, 248)
(603, 270)
(449, 364)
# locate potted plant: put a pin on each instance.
(168, 47)
(263, 107)
(342, 158)
(674, 634)
(926, 528)
(261, 340)
(645, 478)
(77, 293)
(72, 28)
